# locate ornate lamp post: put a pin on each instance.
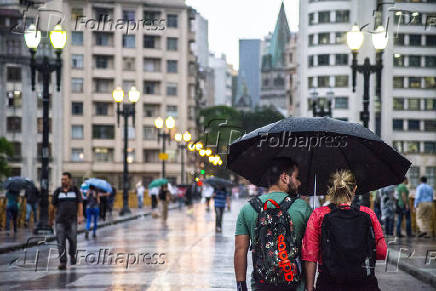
(164, 133)
(58, 38)
(179, 137)
(125, 112)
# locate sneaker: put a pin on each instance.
(62, 267)
(86, 235)
(73, 260)
(422, 234)
(94, 235)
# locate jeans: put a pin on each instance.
(389, 226)
(90, 214)
(219, 216)
(31, 207)
(406, 213)
(153, 201)
(11, 213)
(64, 231)
(140, 201)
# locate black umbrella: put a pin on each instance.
(320, 146)
(218, 182)
(18, 183)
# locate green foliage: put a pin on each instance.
(262, 116)
(6, 151)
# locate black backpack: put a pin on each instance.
(276, 256)
(348, 246)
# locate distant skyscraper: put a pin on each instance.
(201, 45)
(223, 80)
(249, 70)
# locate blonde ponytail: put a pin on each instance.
(341, 189)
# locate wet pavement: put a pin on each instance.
(145, 254)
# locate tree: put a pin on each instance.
(6, 151)
(260, 117)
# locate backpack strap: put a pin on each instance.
(257, 204)
(287, 203)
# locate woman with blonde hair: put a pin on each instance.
(344, 240)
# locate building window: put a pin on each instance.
(414, 61)
(310, 39)
(398, 124)
(14, 98)
(324, 38)
(151, 17)
(430, 173)
(39, 125)
(127, 85)
(172, 43)
(151, 87)
(341, 102)
(77, 131)
(103, 155)
(341, 81)
(398, 60)
(430, 104)
(103, 131)
(151, 156)
(103, 62)
(310, 60)
(128, 15)
(172, 20)
(77, 61)
(414, 82)
(150, 133)
(430, 61)
(128, 41)
(77, 85)
(430, 147)
(399, 39)
(324, 17)
(76, 13)
(131, 133)
(413, 124)
(310, 82)
(128, 63)
(77, 108)
(13, 74)
(103, 108)
(172, 111)
(77, 38)
(171, 89)
(398, 82)
(39, 151)
(342, 16)
(103, 39)
(151, 110)
(13, 124)
(399, 18)
(430, 40)
(414, 39)
(323, 60)
(171, 66)
(103, 85)
(413, 104)
(101, 13)
(151, 41)
(311, 18)
(341, 59)
(430, 82)
(152, 65)
(77, 155)
(323, 81)
(413, 174)
(16, 157)
(340, 37)
(398, 104)
(430, 125)
(398, 146)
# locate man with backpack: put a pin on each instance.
(274, 223)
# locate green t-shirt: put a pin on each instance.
(299, 212)
(402, 189)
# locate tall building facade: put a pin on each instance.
(155, 56)
(249, 73)
(222, 80)
(278, 69)
(404, 115)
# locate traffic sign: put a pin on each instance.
(163, 156)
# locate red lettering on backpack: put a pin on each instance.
(284, 263)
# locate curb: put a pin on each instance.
(411, 269)
(50, 238)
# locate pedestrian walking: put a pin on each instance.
(103, 203)
(92, 210)
(140, 194)
(403, 208)
(276, 250)
(12, 207)
(221, 198)
(111, 200)
(387, 209)
(32, 200)
(206, 193)
(164, 198)
(341, 239)
(424, 209)
(84, 200)
(68, 203)
(154, 193)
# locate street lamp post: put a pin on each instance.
(186, 137)
(159, 124)
(58, 38)
(125, 112)
(354, 41)
(319, 106)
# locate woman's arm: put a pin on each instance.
(310, 275)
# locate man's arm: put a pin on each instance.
(403, 197)
(310, 274)
(80, 212)
(418, 196)
(242, 242)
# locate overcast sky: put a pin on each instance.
(230, 20)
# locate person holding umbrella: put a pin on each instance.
(221, 198)
(341, 238)
(12, 197)
(164, 197)
(92, 210)
(32, 199)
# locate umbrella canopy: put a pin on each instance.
(100, 184)
(218, 182)
(84, 187)
(18, 183)
(157, 183)
(320, 146)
